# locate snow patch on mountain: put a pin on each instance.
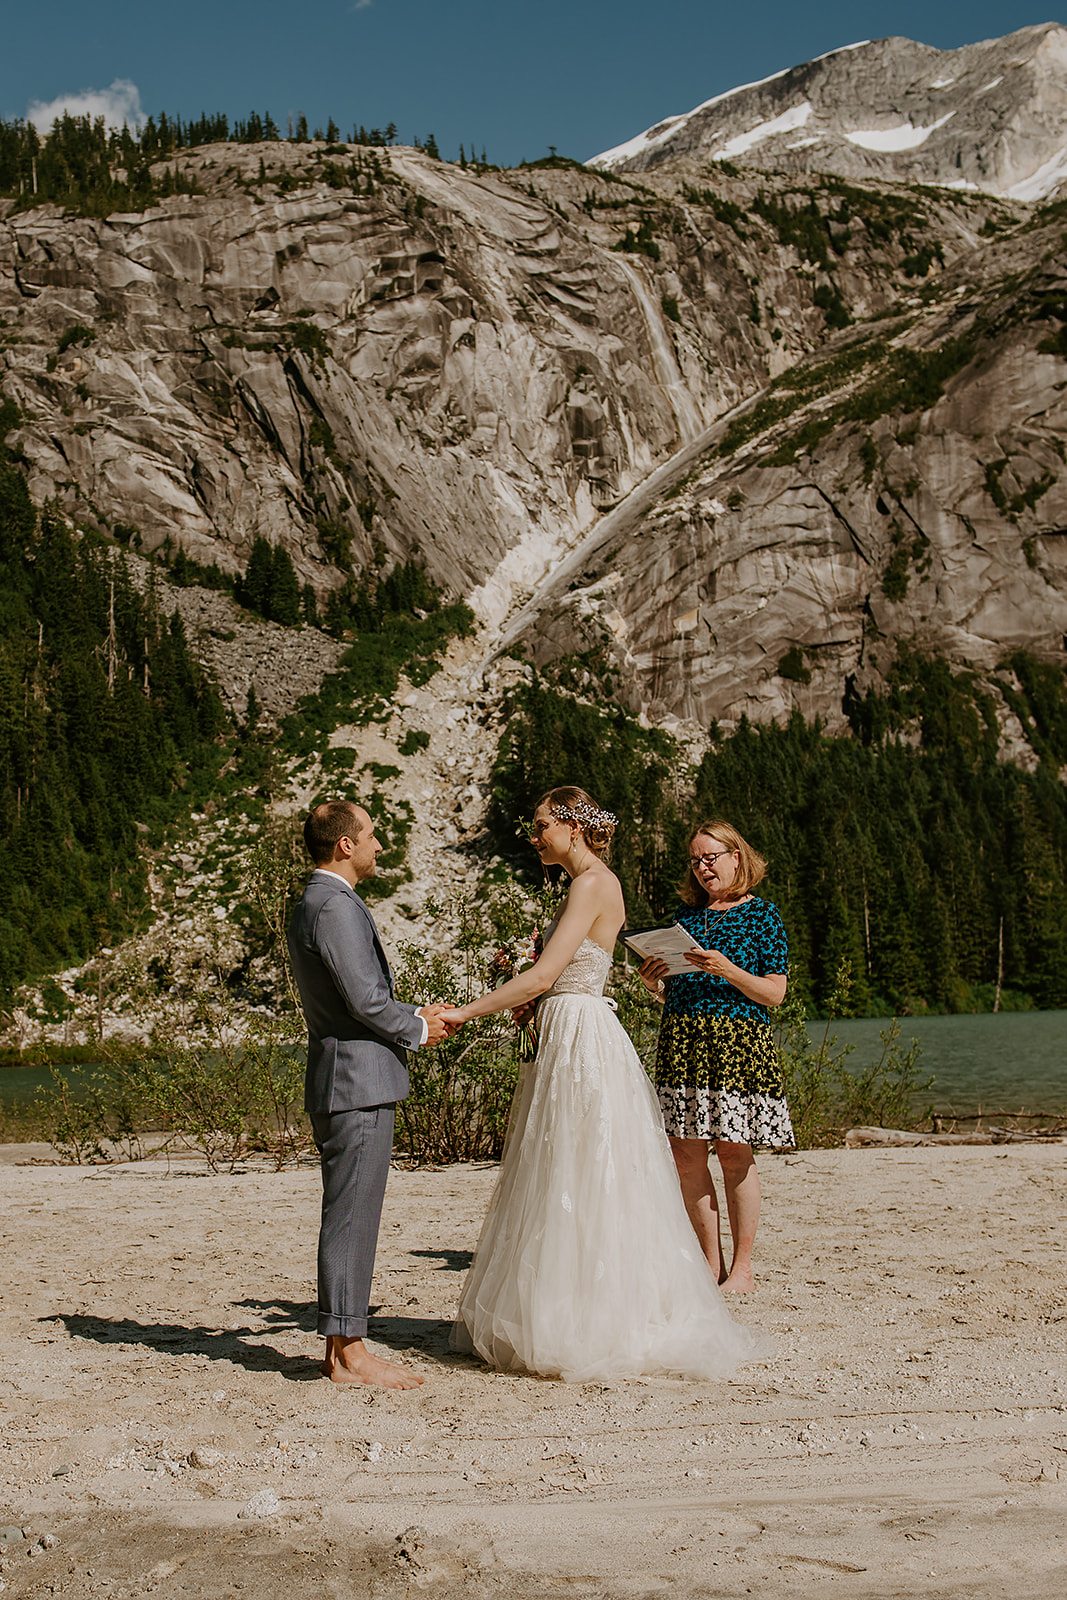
(905, 137)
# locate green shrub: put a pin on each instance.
(830, 302)
(1055, 344)
(309, 339)
(919, 263)
(792, 666)
(414, 740)
(641, 243)
(826, 1098)
(804, 227)
(238, 1093)
(75, 334)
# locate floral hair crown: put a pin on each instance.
(587, 815)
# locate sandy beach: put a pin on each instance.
(165, 1429)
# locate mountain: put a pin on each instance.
(989, 116)
(705, 445)
(908, 484)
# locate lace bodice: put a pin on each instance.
(585, 973)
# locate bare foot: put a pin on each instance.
(739, 1282)
(349, 1361)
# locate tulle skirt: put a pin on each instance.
(587, 1266)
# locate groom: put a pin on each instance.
(358, 1038)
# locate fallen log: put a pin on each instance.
(901, 1138)
(856, 1138)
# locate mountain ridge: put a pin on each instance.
(994, 118)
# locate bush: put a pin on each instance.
(461, 1092)
(309, 339)
(641, 243)
(235, 1094)
(75, 334)
(792, 666)
(825, 1098)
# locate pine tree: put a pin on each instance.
(255, 587)
(284, 598)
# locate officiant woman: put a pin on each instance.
(717, 1073)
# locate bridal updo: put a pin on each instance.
(571, 804)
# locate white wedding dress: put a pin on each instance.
(587, 1265)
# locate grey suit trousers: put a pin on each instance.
(355, 1147)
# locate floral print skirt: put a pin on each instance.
(720, 1078)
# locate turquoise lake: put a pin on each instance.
(1009, 1062)
(1013, 1061)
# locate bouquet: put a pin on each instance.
(508, 960)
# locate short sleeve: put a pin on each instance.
(771, 943)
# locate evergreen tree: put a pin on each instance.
(102, 713)
(255, 587)
(284, 597)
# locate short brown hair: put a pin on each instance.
(569, 798)
(332, 820)
(751, 870)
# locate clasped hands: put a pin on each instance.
(444, 1020)
(440, 1023)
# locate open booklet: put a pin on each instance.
(666, 944)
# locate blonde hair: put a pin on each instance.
(752, 868)
(571, 804)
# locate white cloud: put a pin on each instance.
(118, 104)
(361, 5)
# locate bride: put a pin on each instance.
(587, 1265)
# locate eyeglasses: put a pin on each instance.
(707, 861)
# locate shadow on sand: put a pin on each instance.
(425, 1336)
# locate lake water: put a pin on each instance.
(1008, 1062)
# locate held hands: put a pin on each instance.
(441, 1022)
(454, 1017)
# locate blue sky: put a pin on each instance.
(514, 79)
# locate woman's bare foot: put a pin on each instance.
(740, 1281)
(349, 1361)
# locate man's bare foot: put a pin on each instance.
(349, 1361)
(738, 1282)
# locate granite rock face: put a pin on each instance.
(989, 116)
(537, 383)
(462, 366)
(444, 364)
(763, 579)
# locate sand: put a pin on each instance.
(909, 1439)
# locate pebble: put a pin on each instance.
(204, 1456)
(11, 1535)
(264, 1503)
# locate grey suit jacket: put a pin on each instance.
(358, 1034)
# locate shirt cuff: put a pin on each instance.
(425, 1033)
